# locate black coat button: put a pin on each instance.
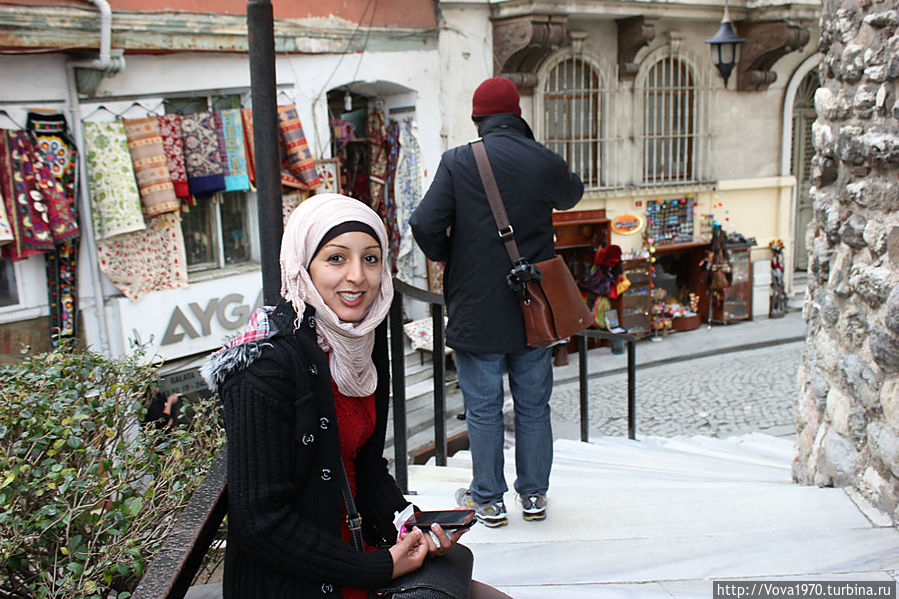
(327, 588)
(324, 422)
(312, 322)
(308, 439)
(326, 474)
(313, 370)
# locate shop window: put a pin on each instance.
(9, 295)
(669, 134)
(573, 101)
(216, 231)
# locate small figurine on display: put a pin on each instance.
(778, 300)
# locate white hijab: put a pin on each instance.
(350, 343)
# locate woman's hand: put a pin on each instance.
(446, 540)
(409, 553)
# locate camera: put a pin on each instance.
(522, 272)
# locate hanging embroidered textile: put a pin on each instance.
(246, 118)
(157, 193)
(230, 131)
(115, 201)
(146, 261)
(5, 227)
(36, 204)
(408, 190)
(173, 146)
(377, 159)
(50, 135)
(392, 141)
(289, 201)
(297, 157)
(205, 173)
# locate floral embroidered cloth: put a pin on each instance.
(229, 129)
(205, 172)
(115, 201)
(146, 261)
(5, 227)
(150, 166)
(36, 205)
(170, 131)
(377, 159)
(421, 334)
(408, 192)
(50, 134)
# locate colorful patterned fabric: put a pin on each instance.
(205, 173)
(297, 157)
(50, 135)
(393, 232)
(289, 201)
(377, 159)
(157, 193)
(62, 291)
(172, 144)
(146, 261)
(408, 189)
(51, 139)
(246, 118)
(230, 132)
(6, 235)
(36, 202)
(115, 201)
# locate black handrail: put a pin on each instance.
(631, 378)
(436, 303)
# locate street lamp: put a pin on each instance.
(724, 47)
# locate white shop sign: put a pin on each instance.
(181, 322)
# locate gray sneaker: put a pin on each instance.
(489, 513)
(533, 506)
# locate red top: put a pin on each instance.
(355, 425)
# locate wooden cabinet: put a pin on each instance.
(635, 304)
(735, 302)
(579, 233)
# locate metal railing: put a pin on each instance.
(171, 572)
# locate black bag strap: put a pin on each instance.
(503, 226)
(353, 519)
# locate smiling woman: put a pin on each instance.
(346, 270)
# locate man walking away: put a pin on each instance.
(454, 224)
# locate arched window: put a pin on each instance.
(572, 105)
(670, 144)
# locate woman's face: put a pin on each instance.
(347, 274)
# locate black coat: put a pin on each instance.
(484, 314)
(284, 498)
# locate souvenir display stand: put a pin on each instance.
(635, 304)
(736, 303)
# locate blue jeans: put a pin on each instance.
(531, 382)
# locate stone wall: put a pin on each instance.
(848, 412)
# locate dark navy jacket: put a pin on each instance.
(454, 223)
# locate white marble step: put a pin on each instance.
(664, 517)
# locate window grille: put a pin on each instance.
(673, 149)
(575, 104)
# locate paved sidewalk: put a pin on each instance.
(686, 345)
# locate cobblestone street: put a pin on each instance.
(718, 396)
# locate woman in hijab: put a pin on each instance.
(300, 392)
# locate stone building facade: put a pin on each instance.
(848, 412)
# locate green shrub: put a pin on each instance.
(87, 495)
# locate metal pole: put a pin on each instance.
(582, 375)
(631, 390)
(439, 357)
(398, 370)
(261, 39)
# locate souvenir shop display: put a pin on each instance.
(777, 306)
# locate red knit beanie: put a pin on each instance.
(494, 96)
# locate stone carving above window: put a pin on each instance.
(766, 43)
(521, 43)
(633, 34)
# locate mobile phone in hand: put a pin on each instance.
(447, 519)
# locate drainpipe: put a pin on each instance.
(89, 73)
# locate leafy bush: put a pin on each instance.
(88, 495)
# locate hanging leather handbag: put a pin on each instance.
(551, 304)
(446, 577)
